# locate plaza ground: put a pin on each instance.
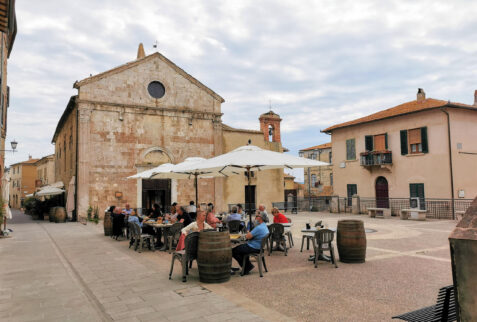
(72, 272)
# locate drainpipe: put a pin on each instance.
(75, 217)
(450, 161)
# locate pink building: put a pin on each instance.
(425, 148)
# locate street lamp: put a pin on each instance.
(14, 146)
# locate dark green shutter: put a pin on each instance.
(403, 142)
(386, 140)
(425, 146)
(350, 149)
(368, 142)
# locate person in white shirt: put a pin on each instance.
(198, 225)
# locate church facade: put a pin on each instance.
(145, 113)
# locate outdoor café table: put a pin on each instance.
(164, 228)
(321, 256)
(237, 238)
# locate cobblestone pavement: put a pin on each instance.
(60, 272)
(70, 272)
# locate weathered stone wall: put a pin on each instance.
(322, 174)
(120, 123)
(65, 151)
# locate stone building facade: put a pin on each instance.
(140, 115)
(45, 171)
(8, 31)
(22, 181)
(318, 180)
(423, 148)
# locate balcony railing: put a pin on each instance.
(368, 159)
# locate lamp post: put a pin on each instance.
(14, 146)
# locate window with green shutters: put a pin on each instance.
(414, 141)
(350, 149)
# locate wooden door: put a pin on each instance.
(382, 193)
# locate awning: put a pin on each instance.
(49, 191)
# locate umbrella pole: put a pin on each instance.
(249, 200)
(196, 191)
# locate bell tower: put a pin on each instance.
(270, 126)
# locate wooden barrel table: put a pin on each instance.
(214, 256)
(351, 241)
(108, 224)
(51, 214)
(60, 214)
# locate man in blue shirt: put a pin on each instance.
(134, 218)
(253, 244)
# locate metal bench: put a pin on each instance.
(444, 310)
(379, 212)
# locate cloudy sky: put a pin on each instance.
(318, 62)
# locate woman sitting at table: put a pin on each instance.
(210, 218)
(278, 217)
(197, 225)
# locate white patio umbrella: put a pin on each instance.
(70, 198)
(49, 191)
(190, 169)
(163, 168)
(183, 170)
(248, 158)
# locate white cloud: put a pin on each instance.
(319, 62)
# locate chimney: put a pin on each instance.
(475, 98)
(29, 157)
(421, 96)
(140, 51)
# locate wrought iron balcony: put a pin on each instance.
(373, 158)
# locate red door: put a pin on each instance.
(382, 193)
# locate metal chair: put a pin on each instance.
(173, 235)
(321, 242)
(277, 236)
(138, 238)
(187, 255)
(309, 237)
(260, 257)
(234, 226)
(289, 234)
(443, 310)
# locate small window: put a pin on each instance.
(414, 141)
(156, 89)
(331, 179)
(313, 180)
(330, 157)
(301, 154)
(350, 149)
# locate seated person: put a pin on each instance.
(134, 218)
(253, 245)
(173, 215)
(240, 211)
(279, 218)
(211, 219)
(198, 225)
(234, 215)
(183, 216)
(154, 213)
(127, 210)
(262, 210)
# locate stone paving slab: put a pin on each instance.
(69, 272)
